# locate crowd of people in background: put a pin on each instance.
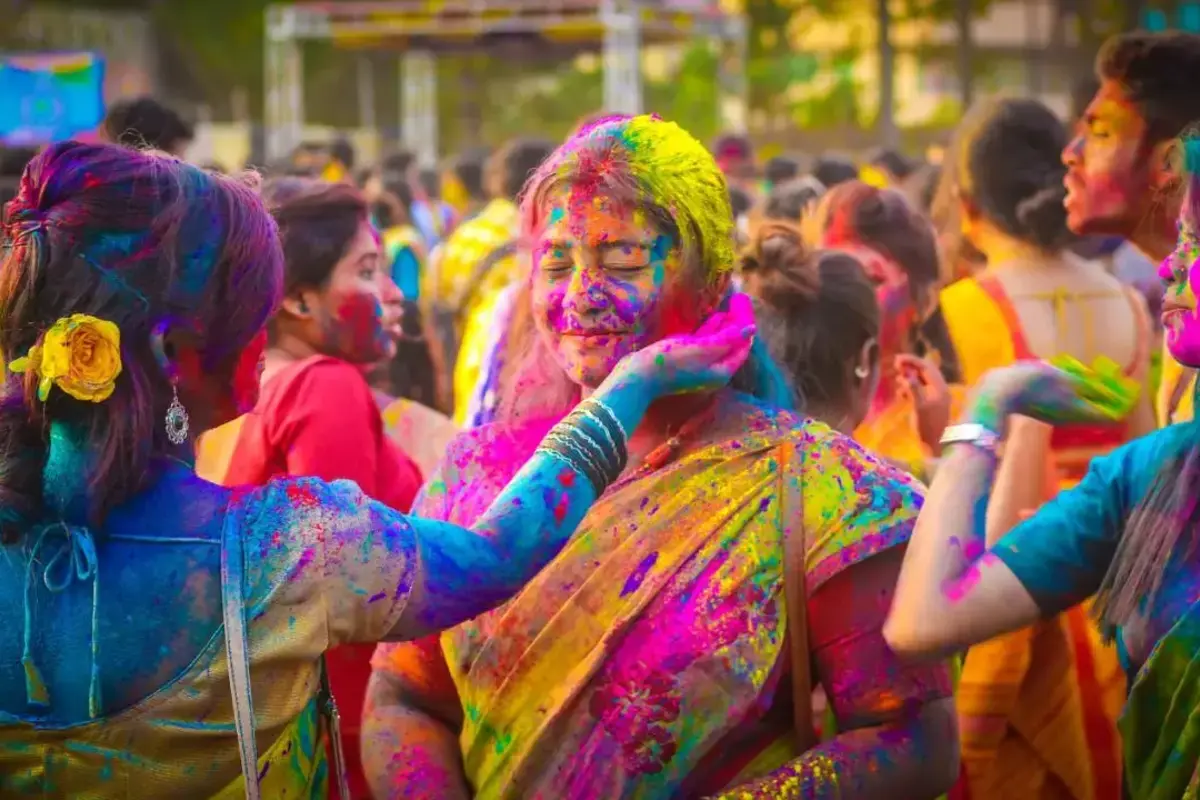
(763, 599)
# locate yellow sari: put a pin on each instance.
(656, 639)
(1175, 401)
(1038, 707)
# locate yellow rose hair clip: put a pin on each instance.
(1103, 385)
(79, 354)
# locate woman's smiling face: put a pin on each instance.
(607, 281)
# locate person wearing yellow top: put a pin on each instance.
(466, 276)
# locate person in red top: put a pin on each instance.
(316, 415)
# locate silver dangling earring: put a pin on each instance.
(177, 419)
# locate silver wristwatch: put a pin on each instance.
(971, 433)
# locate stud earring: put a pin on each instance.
(861, 372)
(177, 419)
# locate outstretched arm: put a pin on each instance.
(953, 591)
(465, 572)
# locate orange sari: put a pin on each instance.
(1038, 707)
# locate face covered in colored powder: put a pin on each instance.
(358, 311)
(1180, 273)
(1109, 175)
(606, 282)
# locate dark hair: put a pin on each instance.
(1157, 72)
(343, 152)
(831, 169)
(400, 161)
(894, 162)
(518, 160)
(431, 182)
(735, 145)
(1009, 166)
(395, 208)
(780, 169)
(788, 201)
(1082, 92)
(468, 168)
(144, 122)
(739, 201)
(142, 241)
(317, 222)
(820, 311)
(885, 221)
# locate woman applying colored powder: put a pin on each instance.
(161, 632)
(655, 656)
(1125, 534)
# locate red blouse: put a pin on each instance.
(318, 418)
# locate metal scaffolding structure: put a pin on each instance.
(420, 29)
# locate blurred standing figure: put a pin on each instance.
(462, 183)
(340, 165)
(734, 153)
(477, 262)
(1037, 707)
(144, 122)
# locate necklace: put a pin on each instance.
(664, 453)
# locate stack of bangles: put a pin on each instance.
(591, 441)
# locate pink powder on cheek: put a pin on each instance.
(360, 334)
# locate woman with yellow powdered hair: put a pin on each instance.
(1056, 688)
(748, 553)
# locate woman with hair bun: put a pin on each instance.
(820, 322)
(1057, 688)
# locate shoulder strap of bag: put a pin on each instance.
(334, 720)
(795, 596)
(237, 654)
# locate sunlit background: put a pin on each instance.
(440, 75)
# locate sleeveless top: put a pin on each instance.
(975, 306)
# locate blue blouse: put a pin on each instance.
(1063, 552)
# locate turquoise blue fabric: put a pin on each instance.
(1062, 553)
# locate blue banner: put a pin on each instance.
(48, 97)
